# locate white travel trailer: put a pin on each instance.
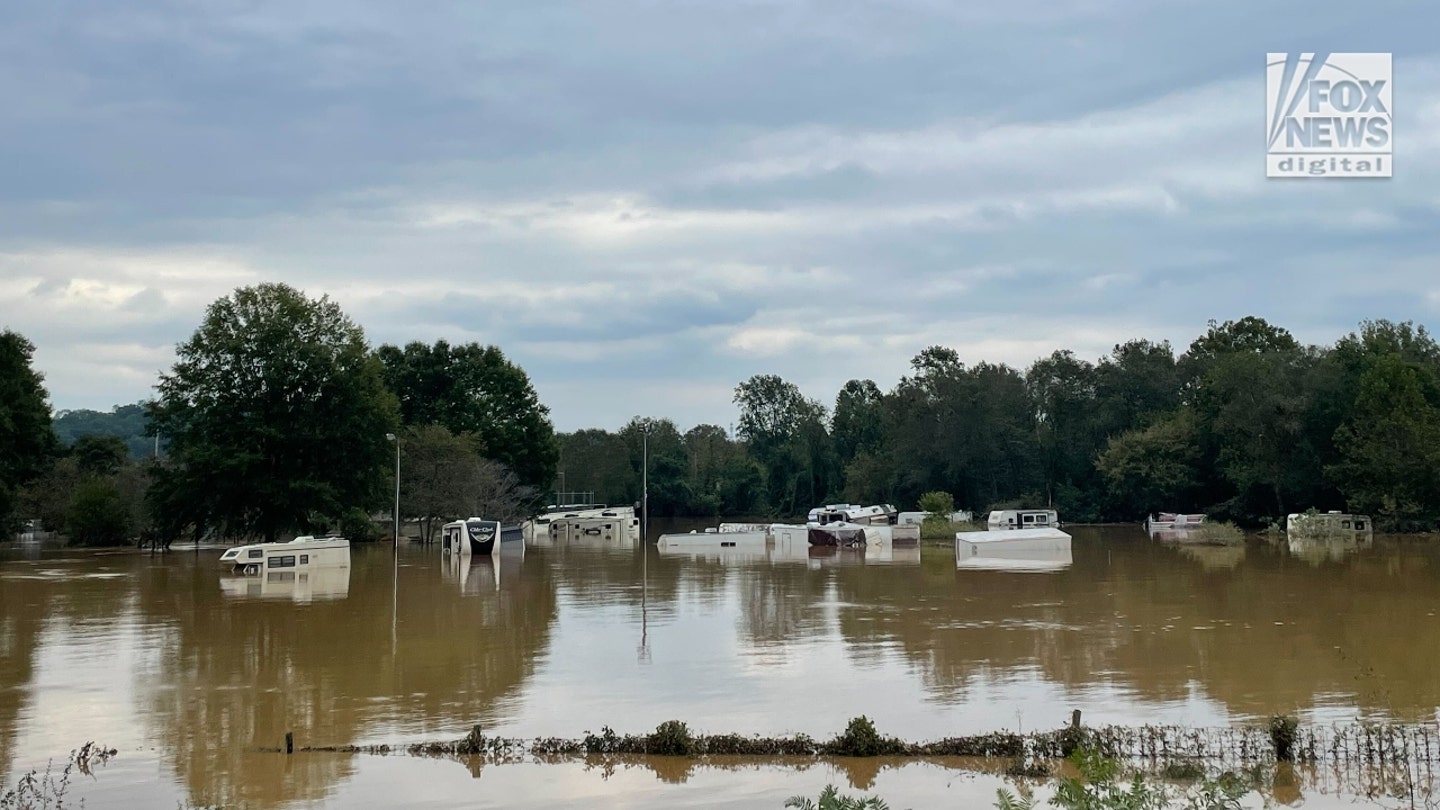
(881, 515)
(567, 520)
(301, 554)
(1023, 519)
(1043, 549)
(1327, 524)
(917, 518)
(472, 536)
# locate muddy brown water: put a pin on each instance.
(189, 672)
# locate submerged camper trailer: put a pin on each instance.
(471, 537)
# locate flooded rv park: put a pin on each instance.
(189, 672)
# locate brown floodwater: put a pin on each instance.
(189, 672)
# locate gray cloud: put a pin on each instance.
(646, 202)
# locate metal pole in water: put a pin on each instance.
(392, 437)
(645, 482)
(395, 578)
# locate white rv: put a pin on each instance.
(301, 554)
(1023, 519)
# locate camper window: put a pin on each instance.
(255, 553)
(282, 562)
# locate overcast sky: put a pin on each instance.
(644, 203)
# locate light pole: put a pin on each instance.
(645, 482)
(396, 439)
(643, 654)
(395, 578)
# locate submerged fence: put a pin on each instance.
(1281, 740)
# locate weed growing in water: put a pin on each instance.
(45, 790)
(1100, 787)
(830, 799)
(671, 738)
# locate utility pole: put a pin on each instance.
(645, 482)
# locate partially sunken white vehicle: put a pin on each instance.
(1043, 549)
(1327, 524)
(1023, 519)
(470, 537)
(304, 553)
(726, 536)
(880, 515)
(582, 520)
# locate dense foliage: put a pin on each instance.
(472, 390)
(276, 411)
(275, 417)
(126, 422)
(26, 439)
(1246, 424)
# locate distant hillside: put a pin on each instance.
(125, 421)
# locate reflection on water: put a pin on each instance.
(1317, 550)
(190, 672)
(297, 586)
(1214, 558)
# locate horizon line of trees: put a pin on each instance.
(1246, 424)
(276, 415)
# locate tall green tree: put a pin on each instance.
(1062, 388)
(1337, 380)
(596, 461)
(1138, 382)
(967, 431)
(473, 389)
(1249, 335)
(858, 424)
(709, 450)
(100, 455)
(275, 414)
(785, 432)
(664, 450)
(1155, 468)
(1253, 409)
(436, 468)
(26, 438)
(1390, 447)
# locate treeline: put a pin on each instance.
(125, 422)
(277, 418)
(1246, 424)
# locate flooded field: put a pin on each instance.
(189, 672)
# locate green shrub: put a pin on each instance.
(606, 742)
(937, 505)
(97, 516)
(357, 527)
(671, 738)
(1283, 733)
(1220, 533)
(830, 799)
(860, 739)
(474, 742)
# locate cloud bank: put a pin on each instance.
(644, 203)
